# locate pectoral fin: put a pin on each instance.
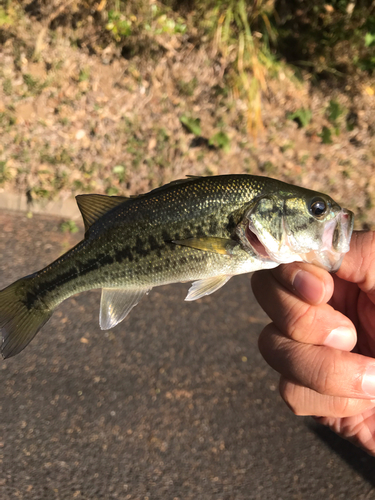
(204, 287)
(116, 304)
(222, 246)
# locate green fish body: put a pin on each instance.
(204, 229)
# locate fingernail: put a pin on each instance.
(308, 286)
(368, 381)
(342, 338)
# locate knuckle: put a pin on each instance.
(326, 373)
(268, 340)
(289, 393)
(341, 407)
(301, 321)
(285, 273)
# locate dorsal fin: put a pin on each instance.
(160, 189)
(94, 206)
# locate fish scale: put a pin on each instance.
(204, 229)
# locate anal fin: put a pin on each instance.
(206, 286)
(116, 304)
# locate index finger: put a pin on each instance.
(297, 319)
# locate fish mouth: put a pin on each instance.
(335, 242)
(255, 243)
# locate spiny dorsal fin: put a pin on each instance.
(222, 246)
(94, 206)
(160, 189)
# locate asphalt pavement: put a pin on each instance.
(174, 403)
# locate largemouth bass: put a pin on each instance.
(201, 229)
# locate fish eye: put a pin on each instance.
(318, 207)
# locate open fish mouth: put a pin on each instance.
(255, 243)
(334, 242)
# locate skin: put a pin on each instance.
(322, 339)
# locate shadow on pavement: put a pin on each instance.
(356, 458)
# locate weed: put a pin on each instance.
(302, 117)
(162, 135)
(34, 86)
(7, 120)
(220, 140)
(7, 86)
(84, 75)
(69, 226)
(304, 158)
(369, 39)
(111, 191)
(191, 124)
(78, 185)
(40, 192)
(187, 88)
(287, 145)
(326, 135)
(120, 171)
(5, 18)
(4, 172)
(253, 60)
(268, 168)
(119, 25)
(64, 121)
(59, 157)
(334, 111)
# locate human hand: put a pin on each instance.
(318, 319)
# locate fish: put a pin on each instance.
(199, 229)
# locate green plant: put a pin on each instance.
(326, 135)
(120, 171)
(334, 111)
(5, 17)
(4, 173)
(7, 120)
(119, 25)
(84, 75)
(187, 88)
(220, 140)
(191, 124)
(369, 39)
(69, 226)
(34, 85)
(302, 117)
(111, 191)
(7, 86)
(327, 37)
(253, 60)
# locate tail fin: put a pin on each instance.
(19, 323)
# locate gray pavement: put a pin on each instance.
(174, 403)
